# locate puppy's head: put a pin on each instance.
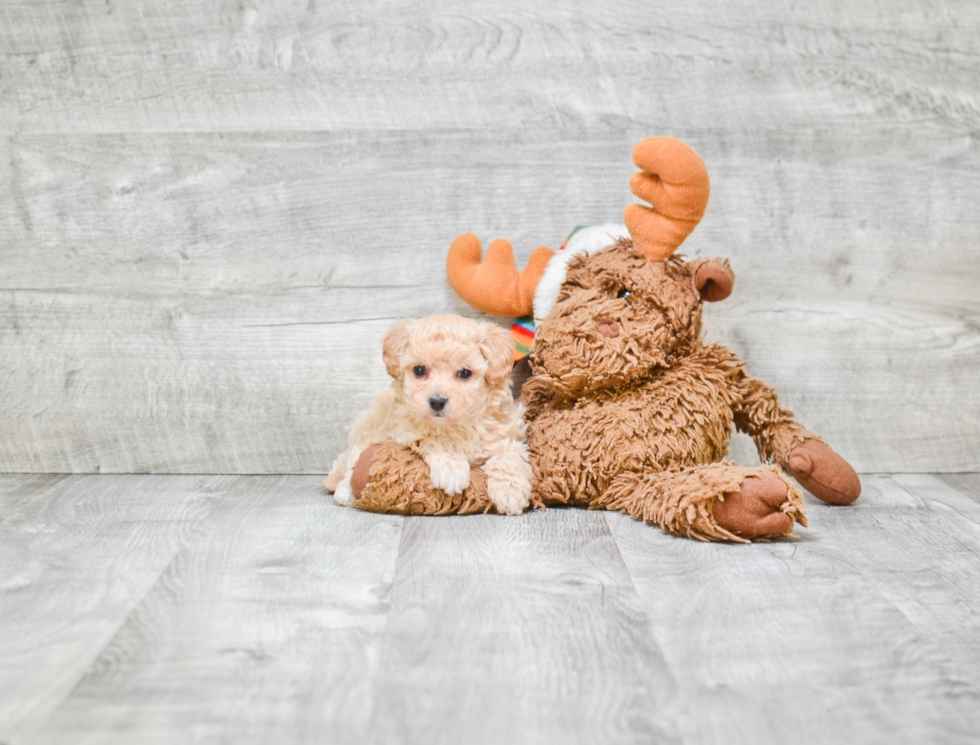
(448, 367)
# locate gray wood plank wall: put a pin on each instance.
(211, 212)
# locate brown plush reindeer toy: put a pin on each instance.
(627, 408)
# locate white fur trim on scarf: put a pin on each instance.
(584, 243)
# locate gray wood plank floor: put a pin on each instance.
(175, 609)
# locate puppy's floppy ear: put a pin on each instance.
(498, 351)
(395, 346)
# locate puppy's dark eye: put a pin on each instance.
(623, 294)
(419, 371)
(464, 374)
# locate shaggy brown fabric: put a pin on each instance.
(679, 418)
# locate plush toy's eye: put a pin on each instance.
(623, 294)
(419, 371)
(464, 374)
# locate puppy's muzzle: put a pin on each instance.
(437, 403)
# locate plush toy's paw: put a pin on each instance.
(344, 495)
(753, 511)
(824, 473)
(449, 472)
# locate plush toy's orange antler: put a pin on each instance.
(675, 181)
(494, 285)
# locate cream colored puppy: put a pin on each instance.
(450, 402)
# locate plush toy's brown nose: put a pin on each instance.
(607, 327)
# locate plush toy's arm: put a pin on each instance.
(391, 478)
(773, 428)
(782, 440)
(536, 395)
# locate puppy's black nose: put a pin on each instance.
(437, 403)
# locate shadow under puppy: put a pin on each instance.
(450, 402)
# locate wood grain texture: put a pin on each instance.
(266, 627)
(212, 211)
(189, 66)
(77, 555)
(862, 630)
(518, 630)
(173, 609)
(967, 484)
(215, 303)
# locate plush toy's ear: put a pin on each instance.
(498, 350)
(395, 346)
(714, 279)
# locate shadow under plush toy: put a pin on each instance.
(627, 408)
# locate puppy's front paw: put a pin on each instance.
(510, 496)
(344, 495)
(449, 472)
(509, 483)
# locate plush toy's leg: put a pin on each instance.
(391, 478)
(714, 502)
(782, 440)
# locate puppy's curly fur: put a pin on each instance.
(450, 402)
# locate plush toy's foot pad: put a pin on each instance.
(362, 469)
(824, 473)
(754, 510)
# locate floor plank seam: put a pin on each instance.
(384, 651)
